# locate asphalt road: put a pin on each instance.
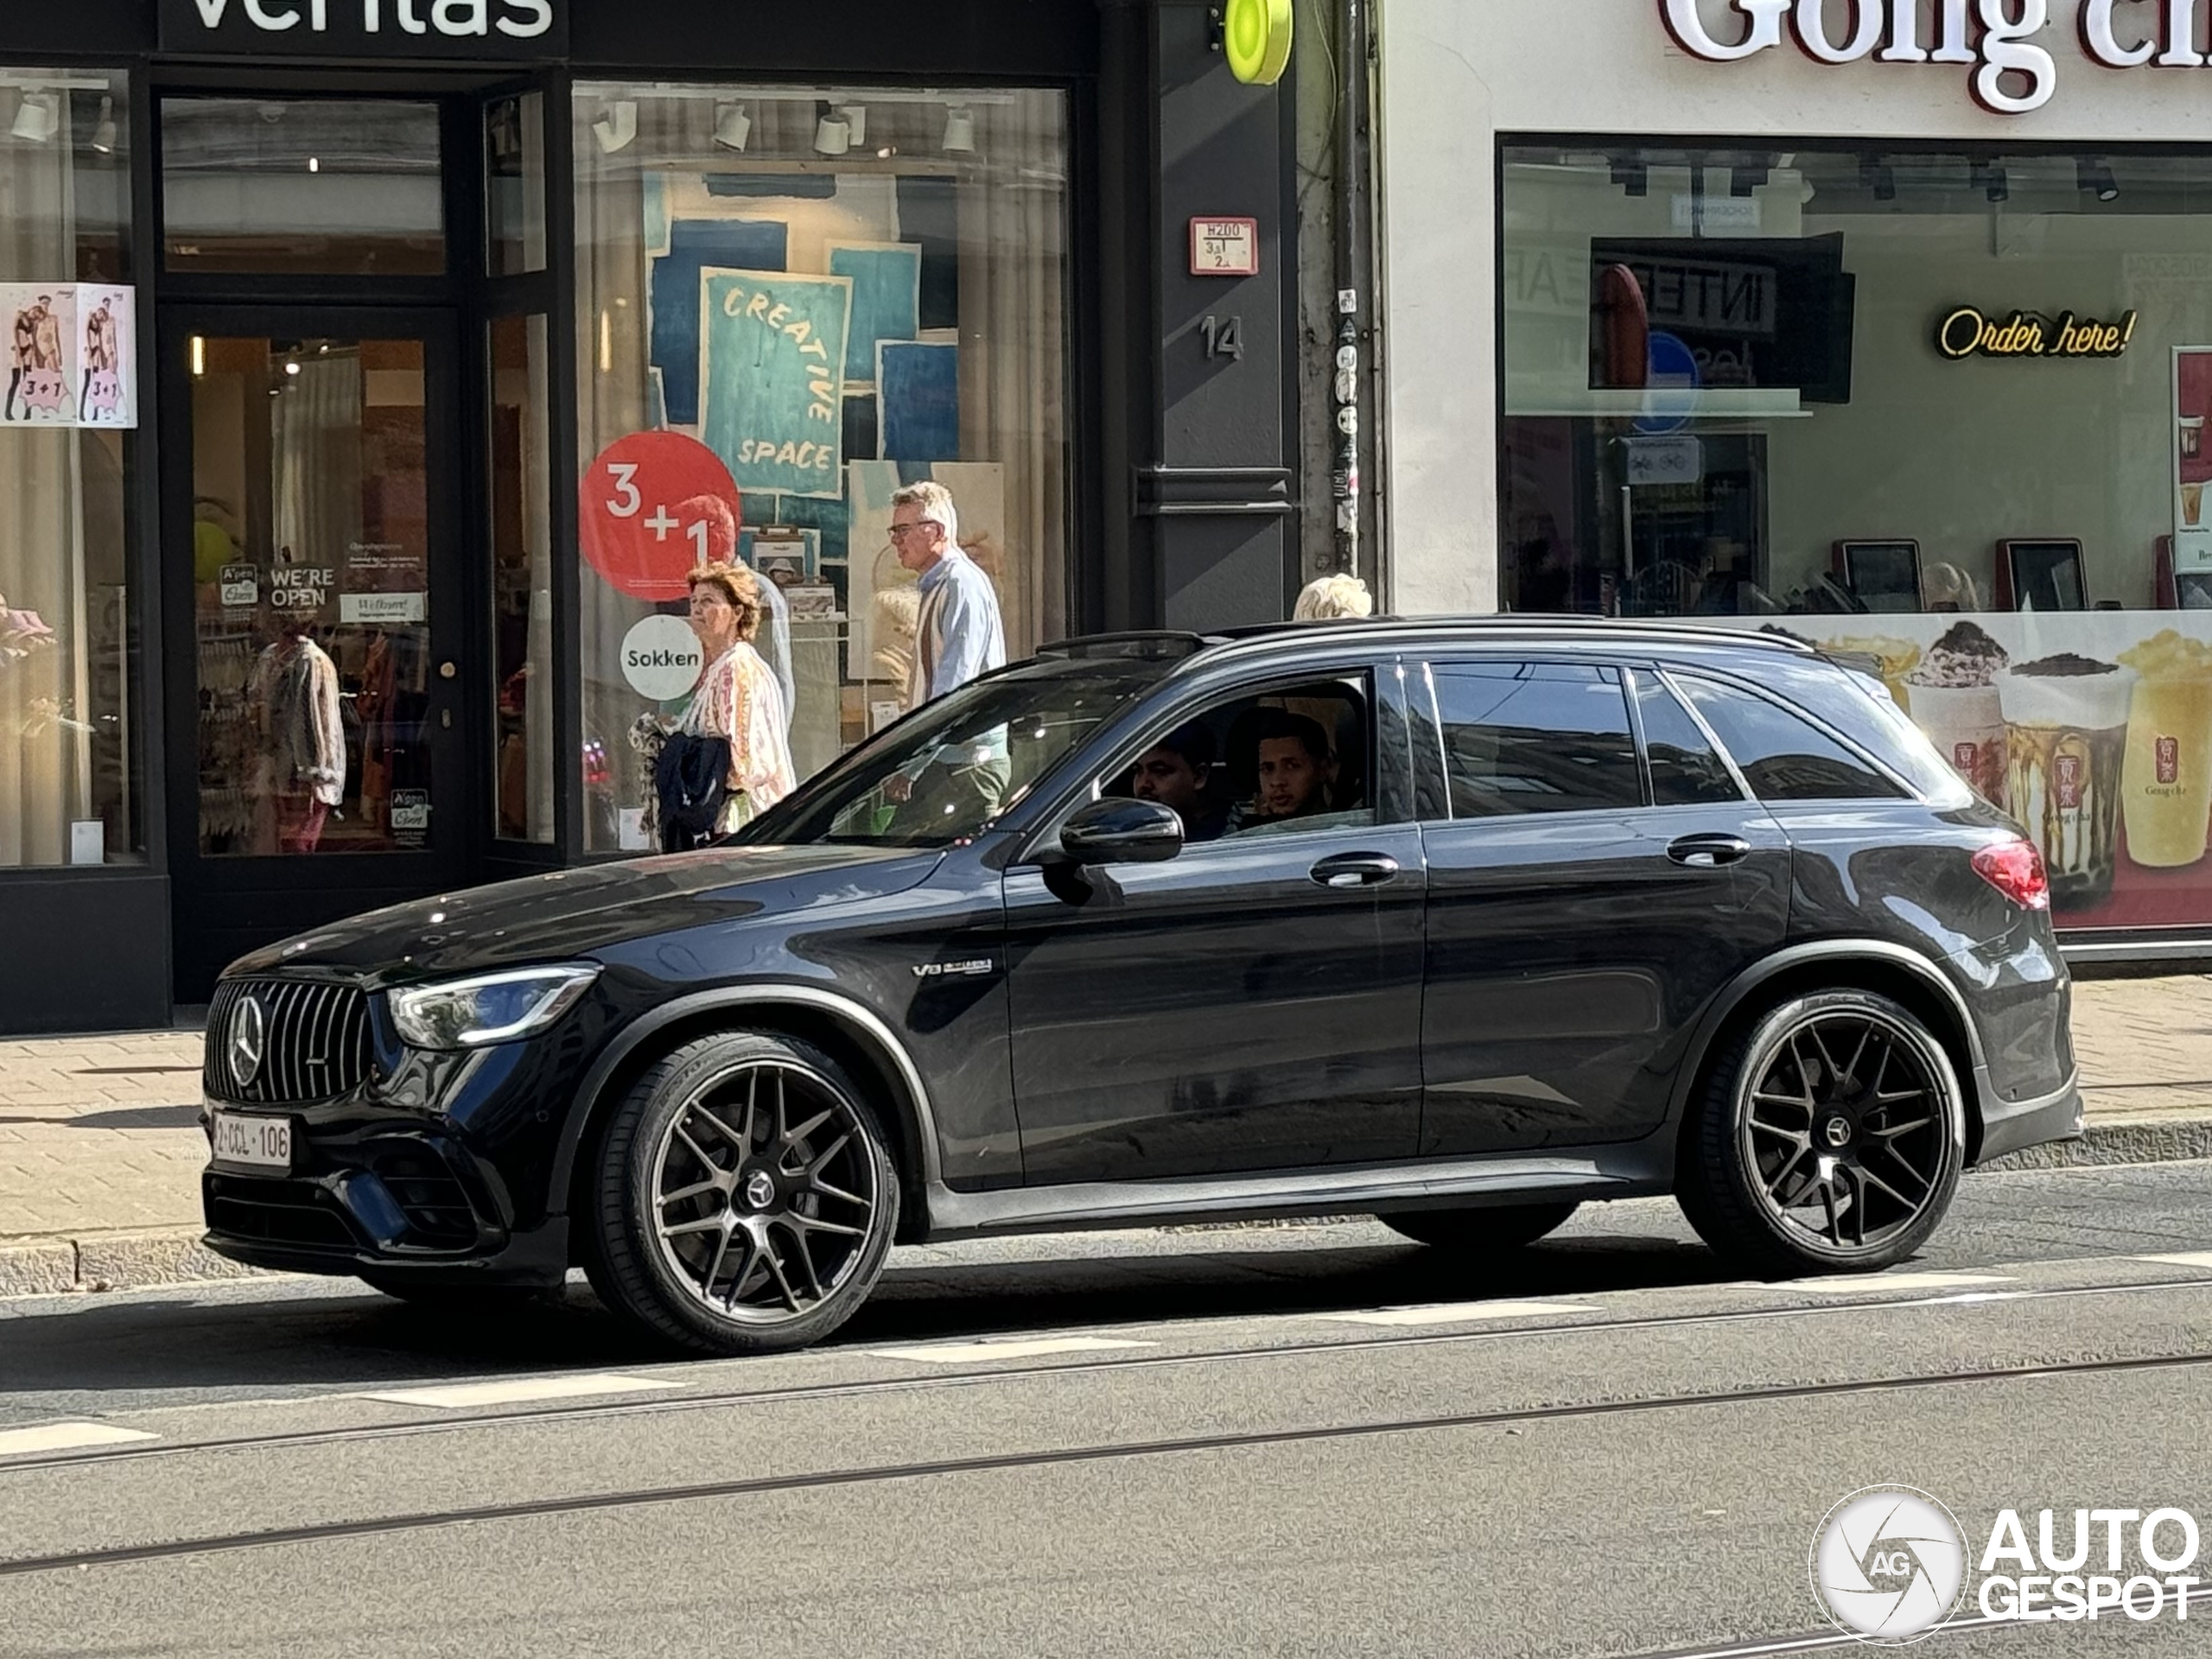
(1293, 1440)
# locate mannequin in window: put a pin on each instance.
(295, 693)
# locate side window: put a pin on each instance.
(1783, 757)
(1685, 770)
(1536, 737)
(1294, 757)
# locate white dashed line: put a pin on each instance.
(514, 1391)
(1448, 1313)
(1853, 1283)
(66, 1437)
(2180, 1259)
(954, 1352)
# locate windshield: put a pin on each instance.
(946, 773)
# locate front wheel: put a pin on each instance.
(745, 1198)
(1504, 1228)
(1828, 1139)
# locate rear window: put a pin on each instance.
(1536, 737)
(1782, 755)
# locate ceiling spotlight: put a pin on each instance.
(2095, 177)
(1632, 176)
(855, 116)
(833, 135)
(733, 126)
(959, 130)
(104, 129)
(314, 163)
(1743, 180)
(617, 125)
(38, 116)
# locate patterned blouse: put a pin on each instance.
(738, 699)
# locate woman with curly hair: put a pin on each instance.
(738, 699)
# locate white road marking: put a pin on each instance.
(1448, 1313)
(66, 1437)
(1851, 1283)
(954, 1352)
(2181, 1259)
(514, 1391)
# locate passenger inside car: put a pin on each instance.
(1289, 767)
(1294, 757)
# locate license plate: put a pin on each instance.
(252, 1142)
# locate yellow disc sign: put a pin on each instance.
(1257, 35)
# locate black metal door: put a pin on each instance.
(314, 591)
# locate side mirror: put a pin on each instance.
(1122, 832)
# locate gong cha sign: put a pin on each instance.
(2009, 72)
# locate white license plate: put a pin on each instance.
(252, 1142)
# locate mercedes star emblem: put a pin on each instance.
(248, 1041)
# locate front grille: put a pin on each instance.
(314, 1041)
(276, 1213)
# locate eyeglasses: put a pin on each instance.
(899, 531)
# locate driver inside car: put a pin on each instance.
(1177, 773)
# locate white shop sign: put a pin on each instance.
(2011, 71)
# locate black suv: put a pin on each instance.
(1464, 924)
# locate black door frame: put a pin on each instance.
(290, 893)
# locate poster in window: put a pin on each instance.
(2192, 457)
(772, 369)
(43, 354)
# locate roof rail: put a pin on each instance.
(1771, 637)
(1143, 644)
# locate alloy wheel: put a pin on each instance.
(1844, 1135)
(764, 1193)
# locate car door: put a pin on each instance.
(1588, 892)
(1253, 1003)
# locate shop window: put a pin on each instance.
(1940, 409)
(791, 301)
(69, 788)
(343, 186)
(1536, 737)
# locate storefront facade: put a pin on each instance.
(1889, 325)
(379, 367)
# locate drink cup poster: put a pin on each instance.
(2092, 730)
(42, 360)
(772, 366)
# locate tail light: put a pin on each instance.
(2015, 868)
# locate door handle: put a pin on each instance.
(1355, 870)
(1709, 852)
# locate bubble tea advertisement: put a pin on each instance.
(2093, 730)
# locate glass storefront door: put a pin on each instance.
(318, 751)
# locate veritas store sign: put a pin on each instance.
(528, 29)
(2011, 73)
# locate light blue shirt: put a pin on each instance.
(959, 635)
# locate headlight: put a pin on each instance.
(489, 1008)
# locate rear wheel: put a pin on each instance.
(1497, 1228)
(1828, 1139)
(746, 1199)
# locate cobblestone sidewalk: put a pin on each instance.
(101, 1148)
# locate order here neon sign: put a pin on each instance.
(2011, 73)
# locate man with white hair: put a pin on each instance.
(959, 635)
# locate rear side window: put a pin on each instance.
(1783, 756)
(1686, 769)
(1536, 737)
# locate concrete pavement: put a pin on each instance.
(101, 1149)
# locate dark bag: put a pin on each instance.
(691, 778)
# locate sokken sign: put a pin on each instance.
(526, 29)
(2010, 72)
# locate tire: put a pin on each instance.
(461, 1298)
(745, 1199)
(1797, 1160)
(1505, 1228)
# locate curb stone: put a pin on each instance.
(175, 1255)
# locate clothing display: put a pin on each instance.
(293, 696)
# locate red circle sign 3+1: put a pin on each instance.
(641, 525)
